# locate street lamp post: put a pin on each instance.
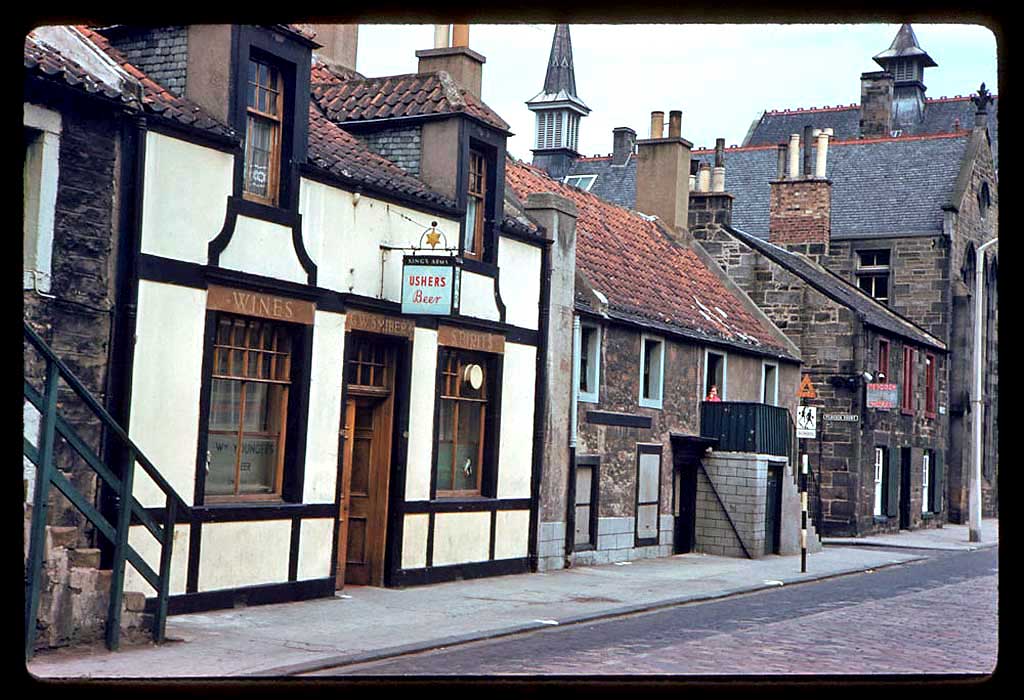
(974, 491)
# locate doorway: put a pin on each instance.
(365, 462)
(684, 505)
(773, 511)
(904, 488)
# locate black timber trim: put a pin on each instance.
(620, 419)
(399, 457)
(195, 545)
(455, 572)
(494, 526)
(290, 218)
(156, 268)
(194, 134)
(642, 449)
(330, 178)
(248, 512)
(533, 239)
(430, 546)
(293, 549)
(265, 594)
(486, 269)
(205, 385)
(466, 505)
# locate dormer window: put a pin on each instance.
(473, 233)
(265, 95)
(584, 182)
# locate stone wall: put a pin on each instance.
(76, 323)
(401, 146)
(741, 482)
(616, 541)
(161, 53)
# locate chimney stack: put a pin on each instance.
(458, 60)
(339, 43)
(808, 130)
(663, 172)
(623, 141)
(710, 204)
(800, 207)
(876, 95)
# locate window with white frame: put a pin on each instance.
(652, 357)
(715, 371)
(40, 173)
(873, 273)
(880, 484)
(925, 481)
(770, 383)
(584, 182)
(590, 362)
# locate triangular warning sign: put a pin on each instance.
(806, 390)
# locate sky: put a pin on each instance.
(721, 76)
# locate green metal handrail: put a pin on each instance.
(42, 456)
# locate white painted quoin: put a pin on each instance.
(334, 260)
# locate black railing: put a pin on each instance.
(41, 454)
(742, 426)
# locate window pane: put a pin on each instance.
(444, 445)
(220, 475)
(225, 404)
(259, 462)
(259, 139)
(647, 522)
(649, 464)
(469, 239)
(468, 450)
(583, 481)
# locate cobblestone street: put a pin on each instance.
(926, 619)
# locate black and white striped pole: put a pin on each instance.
(803, 514)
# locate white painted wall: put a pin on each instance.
(515, 457)
(414, 540)
(519, 282)
(244, 554)
(166, 378)
(149, 549)
(461, 538)
(184, 200)
(263, 248)
(316, 538)
(42, 171)
(421, 415)
(511, 534)
(324, 421)
(476, 297)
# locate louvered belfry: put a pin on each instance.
(558, 109)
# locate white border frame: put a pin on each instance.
(722, 390)
(590, 396)
(775, 389)
(652, 403)
(37, 256)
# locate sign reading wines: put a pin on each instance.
(430, 284)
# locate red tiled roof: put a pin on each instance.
(390, 97)
(156, 99)
(49, 63)
(643, 273)
(335, 150)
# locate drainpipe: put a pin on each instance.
(974, 489)
(859, 405)
(570, 505)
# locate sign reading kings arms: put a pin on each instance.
(430, 284)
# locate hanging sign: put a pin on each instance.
(806, 390)
(882, 396)
(430, 284)
(807, 422)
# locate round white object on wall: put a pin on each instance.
(474, 376)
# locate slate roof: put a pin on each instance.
(614, 183)
(394, 96)
(646, 277)
(941, 115)
(880, 187)
(831, 285)
(904, 45)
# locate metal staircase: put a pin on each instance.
(128, 510)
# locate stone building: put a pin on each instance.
(913, 194)
(656, 324)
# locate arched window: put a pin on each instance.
(984, 200)
(967, 267)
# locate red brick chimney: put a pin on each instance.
(800, 205)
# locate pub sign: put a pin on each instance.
(430, 284)
(883, 396)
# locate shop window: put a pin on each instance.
(648, 486)
(715, 369)
(873, 274)
(251, 378)
(929, 385)
(770, 383)
(39, 179)
(907, 403)
(585, 513)
(264, 112)
(883, 361)
(590, 362)
(465, 423)
(652, 357)
(476, 206)
(881, 482)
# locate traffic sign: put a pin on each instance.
(806, 390)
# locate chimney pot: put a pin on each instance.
(794, 156)
(460, 35)
(704, 178)
(782, 161)
(807, 150)
(719, 153)
(675, 124)
(819, 165)
(441, 36)
(657, 125)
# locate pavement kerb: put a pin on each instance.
(972, 547)
(455, 640)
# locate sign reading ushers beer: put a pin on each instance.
(249, 303)
(430, 284)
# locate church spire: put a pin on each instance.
(558, 109)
